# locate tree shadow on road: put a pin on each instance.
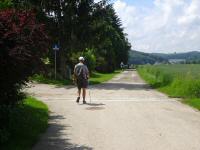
(95, 104)
(121, 86)
(55, 137)
(65, 86)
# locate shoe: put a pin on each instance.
(84, 102)
(77, 100)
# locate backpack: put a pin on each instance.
(79, 72)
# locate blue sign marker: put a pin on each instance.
(56, 48)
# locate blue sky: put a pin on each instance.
(139, 3)
(146, 3)
(163, 26)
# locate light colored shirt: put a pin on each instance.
(80, 67)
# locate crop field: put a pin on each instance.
(180, 80)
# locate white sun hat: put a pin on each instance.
(81, 58)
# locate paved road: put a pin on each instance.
(125, 114)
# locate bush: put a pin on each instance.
(5, 4)
(23, 43)
(4, 118)
(90, 59)
(104, 66)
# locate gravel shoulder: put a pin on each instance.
(124, 113)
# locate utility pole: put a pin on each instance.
(55, 48)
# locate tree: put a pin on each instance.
(110, 41)
(90, 59)
(5, 4)
(23, 42)
(77, 25)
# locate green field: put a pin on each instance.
(181, 80)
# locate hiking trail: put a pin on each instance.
(125, 114)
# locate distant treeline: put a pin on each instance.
(140, 58)
(136, 57)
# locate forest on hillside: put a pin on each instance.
(140, 58)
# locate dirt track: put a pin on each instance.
(125, 114)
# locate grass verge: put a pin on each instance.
(195, 102)
(180, 81)
(97, 78)
(42, 79)
(27, 122)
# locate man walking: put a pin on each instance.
(81, 76)
(122, 65)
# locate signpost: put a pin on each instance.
(55, 48)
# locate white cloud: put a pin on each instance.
(168, 26)
(96, 1)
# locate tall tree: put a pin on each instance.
(79, 25)
(110, 35)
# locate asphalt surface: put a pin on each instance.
(124, 114)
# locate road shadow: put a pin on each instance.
(65, 86)
(95, 108)
(119, 86)
(55, 137)
(114, 86)
(95, 104)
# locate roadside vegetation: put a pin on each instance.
(88, 28)
(181, 80)
(24, 44)
(45, 80)
(26, 122)
(95, 78)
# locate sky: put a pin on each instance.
(161, 26)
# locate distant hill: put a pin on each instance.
(140, 58)
(194, 55)
(136, 57)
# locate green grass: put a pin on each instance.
(97, 78)
(42, 79)
(195, 102)
(182, 81)
(28, 121)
